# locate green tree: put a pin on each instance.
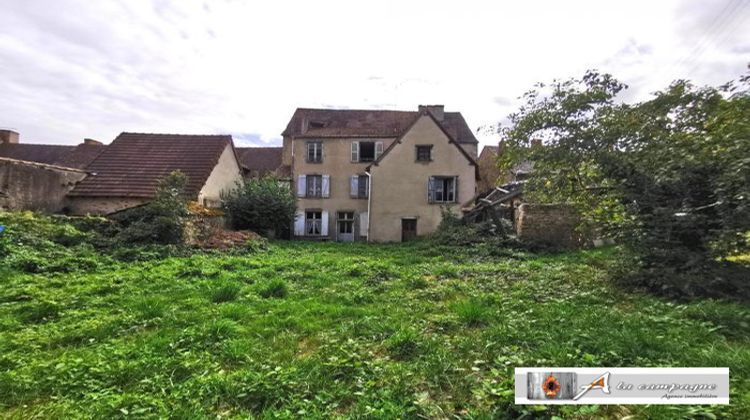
(162, 220)
(669, 176)
(261, 205)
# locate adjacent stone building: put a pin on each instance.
(36, 186)
(378, 175)
(126, 174)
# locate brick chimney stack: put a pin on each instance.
(8, 136)
(437, 111)
(92, 142)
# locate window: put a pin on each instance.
(363, 189)
(424, 153)
(314, 186)
(313, 222)
(442, 189)
(315, 151)
(360, 186)
(366, 151)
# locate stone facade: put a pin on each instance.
(547, 224)
(489, 172)
(35, 186)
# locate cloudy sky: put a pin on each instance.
(71, 69)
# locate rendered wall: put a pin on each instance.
(32, 186)
(225, 176)
(399, 182)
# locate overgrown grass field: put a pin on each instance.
(352, 330)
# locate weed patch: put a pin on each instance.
(273, 289)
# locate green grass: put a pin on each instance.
(326, 330)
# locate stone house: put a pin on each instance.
(489, 173)
(126, 174)
(257, 162)
(378, 175)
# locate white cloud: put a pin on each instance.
(71, 69)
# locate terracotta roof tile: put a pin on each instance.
(308, 122)
(133, 163)
(260, 160)
(81, 156)
(40, 153)
(77, 157)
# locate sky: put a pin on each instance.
(74, 69)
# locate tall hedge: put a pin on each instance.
(261, 205)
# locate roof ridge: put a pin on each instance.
(174, 134)
(355, 110)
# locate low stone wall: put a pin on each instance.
(100, 206)
(35, 186)
(548, 224)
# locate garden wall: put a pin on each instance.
(35, 186)
(548, 224)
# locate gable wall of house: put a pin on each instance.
(337, 164)
(225, 176)
(399, 183)
(489, 172)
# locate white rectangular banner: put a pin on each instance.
(556, 385)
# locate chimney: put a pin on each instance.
(92, 142)
(8, 136)
(437, 111)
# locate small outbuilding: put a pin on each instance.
(127, 173)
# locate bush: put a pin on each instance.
(161, 221)
(458, 232)
(261, 205)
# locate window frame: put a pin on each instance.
(363, 188)
(441, 184)
(314, 191)
(311, 223)
(317, 151)
(429, 153)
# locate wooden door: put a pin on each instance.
(408, 229)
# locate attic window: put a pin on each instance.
(424, 153)
(316, 124)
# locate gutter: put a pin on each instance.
(369, 203)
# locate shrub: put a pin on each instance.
(454, 231)
(261, 205)
(273, 289)
(161, 221)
